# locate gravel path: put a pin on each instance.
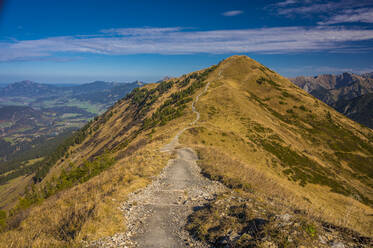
(156, 215)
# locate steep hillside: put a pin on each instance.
(299, 173)
(122, 146)
(260, 133)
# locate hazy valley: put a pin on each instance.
(36, 118)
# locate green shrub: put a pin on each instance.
(302, 107)
(61, 151)
(269, 81)
(2, 219)
(310, 230)
(301, 168)
(173, 107)
(164, 86)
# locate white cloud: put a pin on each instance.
(179, 41)
(232, 13)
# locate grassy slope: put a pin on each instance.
(12, 190)
(260, 133)
(71, 204)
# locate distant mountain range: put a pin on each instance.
(27, 88)
(95, 92)
(349, 93)
(61, 107)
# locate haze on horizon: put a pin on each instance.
(80, 41)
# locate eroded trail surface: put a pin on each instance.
(156, 216)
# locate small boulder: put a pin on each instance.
(337, 244)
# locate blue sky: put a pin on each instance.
(52, 41)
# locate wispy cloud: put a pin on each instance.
(307, 8)
(350, 16)
(140, 31)
(331, 12)
(317, 6)
(232, 13)
(175, 40)
(286, 3)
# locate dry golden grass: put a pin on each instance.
(90, 210)
(272, 190)
(238, 114)
(87, 211)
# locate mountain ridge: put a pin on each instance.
(284, 155)
(28, 87)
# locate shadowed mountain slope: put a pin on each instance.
(348, 93)
(333, 88)
(359, 109)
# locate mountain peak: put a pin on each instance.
(240, 59)
(245, 70)
(243, 65)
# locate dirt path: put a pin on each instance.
(156, 216)
(170, 199)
